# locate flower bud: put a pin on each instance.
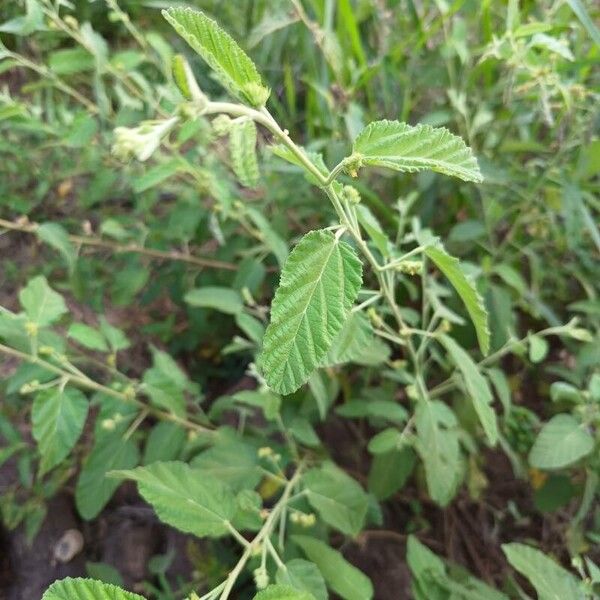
(261, 578)
(141, 141)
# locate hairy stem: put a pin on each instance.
(262, 537)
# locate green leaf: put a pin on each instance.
(316, 158)
(266, 400)
(303, 575)
(406, 148)
(550, 580)
(156, 175)
(477, 386)
(433, 580)
(88, 589)
(189, 499)
(450, 267)
(324, 391)
(372, 226)
(70, 60)
(12, 330)
(390, 471)
(342, 577)
(165, 442)
(437, 444)
(166, 383)
(377, 409)
(94, 489)
(501, 385)
(41, 303)
(538, 348)
(88, 337)
(117, 340)
(384, 441)
(282, 592)
(184, 78)
(556, 492)
(103, 572)
(578, 7)
(273, 20)
(561, 391)
(58, 417)
(31, 21)
(352, 343)
(231, 460)
(561, 442)
(304, 432)
(319, 283)
(219, 50)
(242, 146)
(423, 563)
(55, 235)
(271, 238)
(219, 298)
(340, 500)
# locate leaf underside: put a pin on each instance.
(319, 283)
(402, 147)
(242, 145)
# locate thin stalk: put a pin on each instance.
(262, 535)
(89, 384)
(393, 264)
(55, 79)
(121, 248)
(450, 383)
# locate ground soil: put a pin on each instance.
(127, 533)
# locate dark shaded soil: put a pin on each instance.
(127, 534)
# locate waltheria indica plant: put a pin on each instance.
(337, 302)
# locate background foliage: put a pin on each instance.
(141, 260)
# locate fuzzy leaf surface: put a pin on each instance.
(221, 52)
(242, 146)
(87, 589)
(319, 283)
(408, 148)
(189, 499)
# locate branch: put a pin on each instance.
(119, 248)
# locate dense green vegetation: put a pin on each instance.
(308, 274)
